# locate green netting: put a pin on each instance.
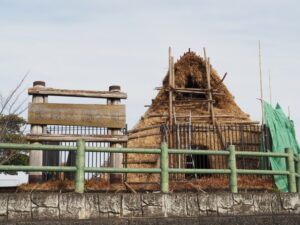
(283, 136)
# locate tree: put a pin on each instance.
(12, 127)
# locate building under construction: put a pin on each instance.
(192, 110)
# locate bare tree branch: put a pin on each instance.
(16, 110)
(14, 101)
(13, 92)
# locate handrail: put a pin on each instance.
(292, 161)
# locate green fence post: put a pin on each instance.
(232, 166)
(291, 169)
(164, 165)
(80, 158)
(298, 172)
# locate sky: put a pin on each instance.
(93, 44)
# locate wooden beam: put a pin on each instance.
(76, 93)
(199, 116)
(189, 101)
(144, 128)
(239, 122)
(144, 135)
(112, 116)
(222, 79)
(196, 92)
(73, 137)
(130, 188)
(219, 133)
(190, 89)
(249, 144)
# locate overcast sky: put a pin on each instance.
(94, 44)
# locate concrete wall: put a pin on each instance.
(66, 208)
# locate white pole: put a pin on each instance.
(261, 84)
(270, 89)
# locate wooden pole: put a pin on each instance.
(212, 110)
(173, 88)
(170, 89)
(206, 68)
(208, 78)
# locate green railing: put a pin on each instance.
(293, 169)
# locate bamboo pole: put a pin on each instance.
(261, 95)
(298, 172)
(261, 83)
(164, 165)
(270, 89)
(232, 167)
(79, 178)
(208, 77)
(291, 169)
(170, 89)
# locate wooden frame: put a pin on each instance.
(76, 93)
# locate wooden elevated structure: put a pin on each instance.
(41, 114)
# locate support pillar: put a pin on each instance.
(36, 157)
(116, 159)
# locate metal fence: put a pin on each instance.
(204, 137)
(67, 158)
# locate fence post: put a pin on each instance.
(164, 165)
(291, 169)
(80, 159)
(298, 172)
(232, 166)
(36, 157)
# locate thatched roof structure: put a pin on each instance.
(190, 74)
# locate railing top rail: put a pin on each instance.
(38, 168)
(268, 154)
(137, 150)
(37, 147)
(198, 152)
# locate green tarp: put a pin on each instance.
(283, 136)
